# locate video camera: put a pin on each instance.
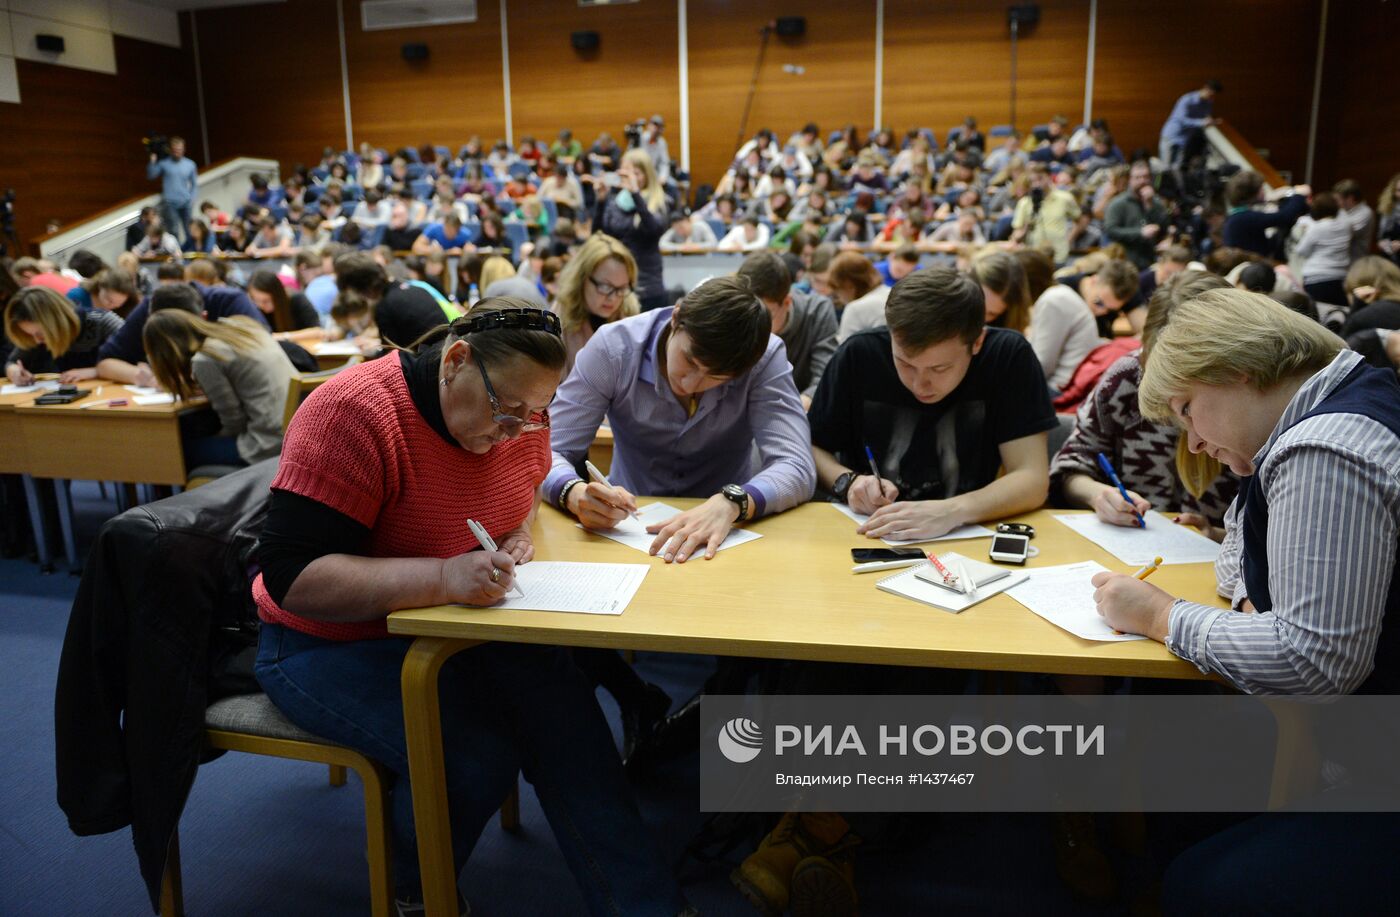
(157, 145)
(633, 133)
(7, 220)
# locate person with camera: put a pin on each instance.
(179, 183)
(1047, 214)
(632, 207)
(1193, 112)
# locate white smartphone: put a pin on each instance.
(1010, 549)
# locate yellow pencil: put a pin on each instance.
(1148, 570)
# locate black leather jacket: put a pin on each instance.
(162, 626)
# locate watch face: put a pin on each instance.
(734, 490)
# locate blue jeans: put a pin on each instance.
(506, 708)
(212, 450)
(176, 218)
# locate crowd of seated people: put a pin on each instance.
(886, 281)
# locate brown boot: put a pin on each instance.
(824, 886)
(765, 876)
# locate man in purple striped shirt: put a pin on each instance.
(701, 401)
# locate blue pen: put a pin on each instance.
(874, 469)
(1113, 478)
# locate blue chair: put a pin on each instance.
(518, 234)
(717, 227)
(347, 209)
(411, 154)
(374, 237)
(278, 212)
(473, 231)
(932, 138)
(462, 153)
(954, 134)
(1000, 130)
(473, 209)
(520, 170)
(320, 174)
(312, 193)
(551, 211)
(415, 171)
(422, 188)
(443, 152)
(352, 193)
(352, 162)
(833, 137)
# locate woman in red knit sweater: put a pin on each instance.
(381, 470)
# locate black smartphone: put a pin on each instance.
(871, 555)
(66, 394)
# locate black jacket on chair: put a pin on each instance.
(163, 625)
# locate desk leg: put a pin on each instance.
(427, 774)
(1297, 762)
(65, 521)
(36, 522)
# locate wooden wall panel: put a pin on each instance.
(838, 85)
(1263, 51)
(272, 80)
(950, 59)
(455, 93)
(1358, 132)
(634, 73)
(73, 147)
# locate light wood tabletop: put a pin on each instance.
(89, 440)
(14, 458)
(787, 595)
(791, 595)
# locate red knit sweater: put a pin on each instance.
(359, 446)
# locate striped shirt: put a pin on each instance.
(1332, 483)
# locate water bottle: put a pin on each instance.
(473, 294)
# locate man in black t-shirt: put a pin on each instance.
(943, 403)
(403, 312)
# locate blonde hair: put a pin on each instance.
(1375, 271)
(1222, 335)
(173, 336)
(51, 312)
(493, 269)
(653, 194)
(1385, 203)
(569, 303)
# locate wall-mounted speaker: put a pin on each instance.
(584, 41)
(1023, 16)
(791, 26)
(415, 52)
(52, 43)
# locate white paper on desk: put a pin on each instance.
(633, 532)
(960, 533)
(1175, 544)
(1064, 596)
(337, 349)
(147, 400)
(45, 386)
(568, 586)
(143, 389)
(907, 584)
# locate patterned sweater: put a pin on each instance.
(1143, 453)
(359, 445)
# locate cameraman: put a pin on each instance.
(1190, 114)
(655, 145)
(178, 187)
(1046, 215)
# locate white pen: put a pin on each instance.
(969, 585)
(484, 538)
(601, 478)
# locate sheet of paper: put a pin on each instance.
(910, 586)
(633, 532)
(1175, 544)
(958, 534)
(26, 389)
(142, 389)
(146, 400)
(567, 586)
(337, 349)
(1064, 596)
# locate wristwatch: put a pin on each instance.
(564, 493)
(842, 486)
(738, 496)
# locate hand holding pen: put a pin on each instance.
(1112, 512)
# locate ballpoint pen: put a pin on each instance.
(1113, 478)
(601, 478)
(484, 538)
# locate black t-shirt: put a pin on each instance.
(304, 315)
(1105, 321)
(406, 313)
(1383, 313)
(930, 451)
(401, 240)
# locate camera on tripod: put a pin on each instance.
(157, 145)
(633, 133)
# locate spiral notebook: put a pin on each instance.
(910, 585)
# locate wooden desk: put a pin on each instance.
(328, 360)
(789, 595)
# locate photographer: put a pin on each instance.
(1191, 114)
(655, 146)
(178, 187)
(1046, 215)
(632, 208)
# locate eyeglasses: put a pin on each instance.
(538, 420)
(607, 290)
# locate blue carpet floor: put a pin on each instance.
(271, 838)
